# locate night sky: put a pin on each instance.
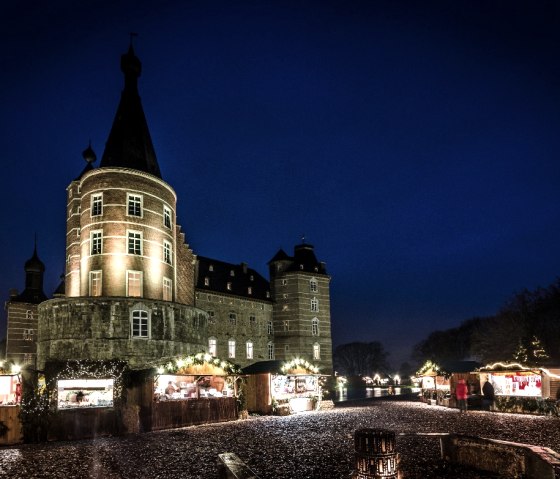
(415, 144)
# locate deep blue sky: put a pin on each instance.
(415, 144)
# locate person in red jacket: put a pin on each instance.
(461, 392)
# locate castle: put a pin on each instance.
(134, 290)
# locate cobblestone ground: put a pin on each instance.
(309, 445)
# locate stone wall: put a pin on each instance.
(243, 329)
(22, 332)
(100, 329)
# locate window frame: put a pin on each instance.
(167, 252)
(249, 349)
(96, 202)
(213, 346)
(315, 327)
(167, 285)
(231, 348)
(314, 305)
(129, 273)
(96, 283)
(316, 352)
(96, 237)
(137, 238)
(131, 201)
(167, 221)
(144, 323)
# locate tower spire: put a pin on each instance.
(129, 144)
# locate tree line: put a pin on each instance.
(526, 329)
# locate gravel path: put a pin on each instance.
(308, 445)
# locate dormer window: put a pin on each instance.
(300, 266)
(232, 273)
(251, 278)
(268, 294)
(211, 268)
(229, 286)
(249, 290)
(207, 281)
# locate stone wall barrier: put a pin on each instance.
(502, 457)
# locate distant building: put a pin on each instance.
(134, 290)
(22, 314)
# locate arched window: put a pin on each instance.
(270, 348)
(315, 327)
(313, 285)
(314, 305)
(140, 323)
(316, 351)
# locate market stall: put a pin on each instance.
(283, 387)
(519, 388)
(10, 399)
(196, 389)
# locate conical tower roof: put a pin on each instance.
(129, 144)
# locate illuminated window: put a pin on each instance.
(249, 348)
(134, 283)
(270, 350)
(96, 240)
(167, 252)
(97, 204)
(206, 281)
(231, 348)
(228, 286)
(134, 205)
(315, 305)
(300, 266)
(232, 318)
(166, 217)
(315, 327)
(313, 285)
(211, 267)
(232, 273)
(140, 321)
(95, 283)
(284, 282)
(268, 294)
(135, 242)
(213, 346)
(167, 289)
(249, 290)
(316, 351)
(270, 329)
(251, 278)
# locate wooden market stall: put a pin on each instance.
(197, 389)
(10, 399)
(282, 387)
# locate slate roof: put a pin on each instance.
(33, 292)
(219, 274)
(129, 144)
(304, 259)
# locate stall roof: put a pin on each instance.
(272, 366)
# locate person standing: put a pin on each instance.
(461, 392)
(487, 395)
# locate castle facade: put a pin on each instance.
(134, 290)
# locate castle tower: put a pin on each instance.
(129, 274)
(301, 307)
(22, 314)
